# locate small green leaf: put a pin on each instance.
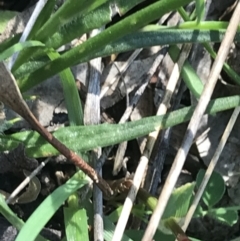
(199, 211)
(214, 189)
(179, 201)
(76, 226)
(225, 215)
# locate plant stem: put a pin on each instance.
(11, 96)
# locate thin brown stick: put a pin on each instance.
(10, 95)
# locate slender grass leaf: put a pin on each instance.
(130, 42)
(44, 16)
(71, 96)
(83, 138)
(18, 47)
(69, 10)
(13, 218)
(200, 10)
(9, 42)
(120, 29)
(230, 72)
(78, 26)
(191, 79)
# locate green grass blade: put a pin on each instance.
(230, 72)
(124, 27)
(44, 16)
(200, 10)
(48, 207)
(214, 190)
(83, 138)
(12, 217)
(69, 10)
(81, 24)
(191, 79)
(130, 42)
(18, 47)
(71, 96)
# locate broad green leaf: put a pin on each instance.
(114, 216)
(214, 189)
(225, 215)
(176, 208)
(5, 16)
(76, 226)
(138, 210)
(48, 207)
(84, 138)
(179, 202)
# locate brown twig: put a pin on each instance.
(10, 95)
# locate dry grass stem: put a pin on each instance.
(193, 126)
(26, 181)
(39, 6)
(92, 117)
(211, 167)
(138, 177)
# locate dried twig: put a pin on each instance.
(11, 96)
(193, 125)
(118, 162)
(26, 181)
